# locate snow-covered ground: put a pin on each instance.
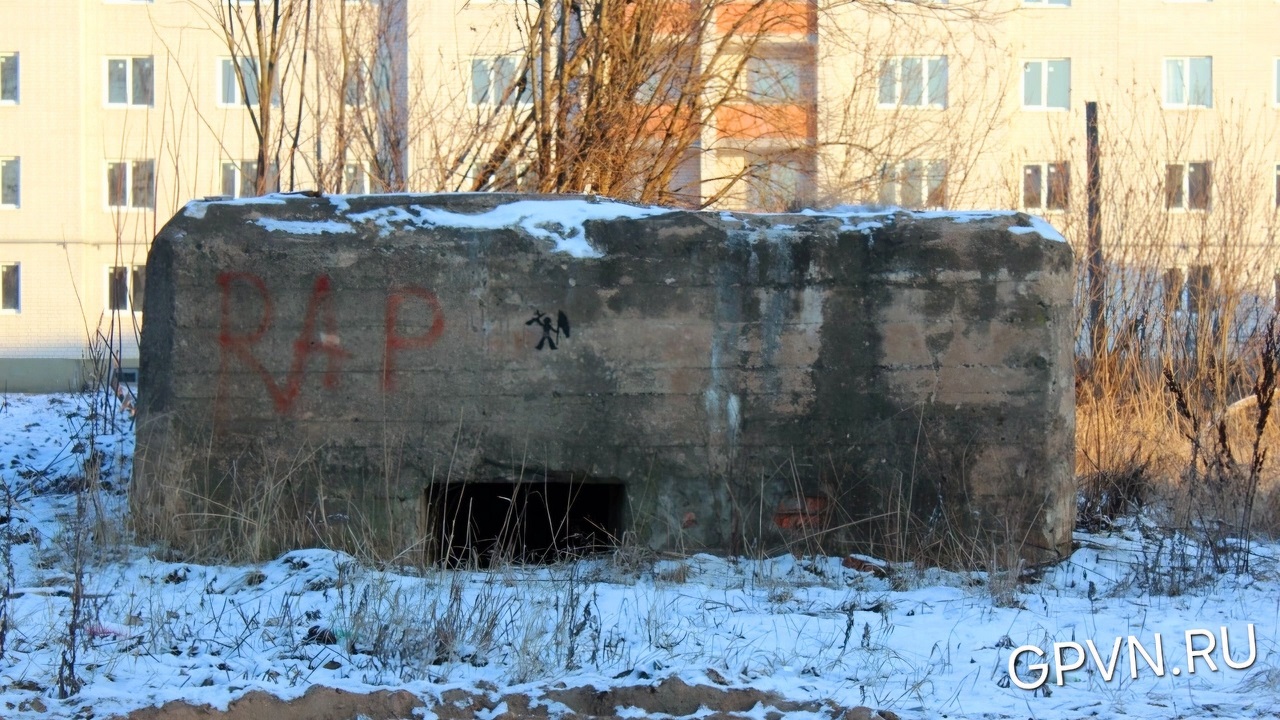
(924, 644)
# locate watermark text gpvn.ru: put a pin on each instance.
(1068, 657)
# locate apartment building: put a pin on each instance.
(115, 113)
(1188, 103)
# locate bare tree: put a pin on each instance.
(360, 97)
(1168, 399)
(607, 97)
(268, 44)
(691, 102)
(911, 104)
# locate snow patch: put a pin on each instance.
(863, 227)
(304, 227)
(1041, 227)
(560, 221)
(197, 208)
(798, 626)
(962, 217)
(861, 218)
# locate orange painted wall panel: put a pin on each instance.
(675, 17)
(777, 17)
(757, 122)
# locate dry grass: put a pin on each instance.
(1174, 414)
(249, 514)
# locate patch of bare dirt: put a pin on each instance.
(672, 697)
(319, 703)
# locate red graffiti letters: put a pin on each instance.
(307, 343)
(311, 340)
(396, 341)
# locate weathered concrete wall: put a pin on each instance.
(872, 382)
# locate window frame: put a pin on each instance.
(1045, 75)
(239, 167)
(225, 63)
(1275, 81)
(17, 295)
(129, 82)
(130, 201)
(363, 174)
(17, 78)
(1188, 83)
(1046, 188)
(803, 78)
(133, 295)
(926, 80)
(4, 161)
(928, 168)
(239, 177)
(358, 85)
(369, 82)
(1185, 190)
(524, 98)
(786, 183)
(1276, 190)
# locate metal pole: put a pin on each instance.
(1094, 192)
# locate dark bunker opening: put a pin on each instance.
(482, 524)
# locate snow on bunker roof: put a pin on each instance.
(559, 219)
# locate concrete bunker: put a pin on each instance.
(356, 370)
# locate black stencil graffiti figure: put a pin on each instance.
(543, 320)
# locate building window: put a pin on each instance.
(1046, 186)
(355, 179)
(10, 287)
(9, 78)
(138, 288)
(493, 82)
(1276, 81)
(1200, 295)
(125, 287)
(914, 82)
(356, 91)
(1188, 82)
(1047, 3)
(131, 184)
(229, 84)
(10, 182)
(1277, 196)
(1188, 186)
(914, 183)
(779, 182)
(1046, 84)
(358, 179)
(777, 79)
(131, 81)
(240, 179)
